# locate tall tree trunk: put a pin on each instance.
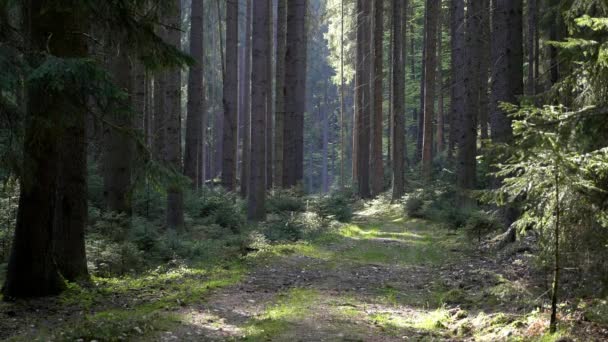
(342, 103)
(118, 142)
(173, 153)
(457, 90)
(532, 19)
(364, 100)
(246, 144)
(32, 270)
(259, 79)
(420, 112)
(484, 66)
(269, 101)
(325, 142)
(294, 93)
(397, 106)
(231, 93)
(279, 104)
(71, 207)
(429, 85)
(507, 64)
(440, 118)
(377, 160)
(467, 142)
(358, 103)
(196, 96)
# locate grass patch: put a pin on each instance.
(290, 307)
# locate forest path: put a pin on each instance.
(381, 278)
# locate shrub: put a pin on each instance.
(107, 258)
(414, 206)
(337, 205)
(285, 201)
(293, 226)
(480, 223)
(218, 207)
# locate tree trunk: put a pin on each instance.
(484, 66)
(229, 152)
(532, 18)
(457, 90)
(440, 117)
(294, 93)
(397, 106)
(175, 205)
(429, 86)
(269, 100)
(279, 104)
(118, 142)
(364, 99)
(467, 142)
(507, 64)
(259, 87)
(325, 142)
(71, 207)
(32, 270)
(342, 103)
(196, 96)
(246, 144)
(377, 160)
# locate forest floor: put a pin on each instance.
(381, 278)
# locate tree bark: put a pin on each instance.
(269, 101)
(32, 270)
(397, 106)
(532, 19)
(196, 95)
(457, 29)
(71, 209)
(246, 144)
(231, 93)
(294, 93)
(440, 118)
(507, 64)
(484, 65)
(173, 153)
(259, 87)
(118, 142)
(429, 86)
(377, 160)
(279, 104)
(467, 142)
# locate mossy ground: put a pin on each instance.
(381, 278)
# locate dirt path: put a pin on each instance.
(379, 279)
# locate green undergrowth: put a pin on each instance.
(129, 307)
(290, 307)
(396, 242)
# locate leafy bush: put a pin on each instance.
(217, 207)
(107, 258)
(337, 205)
(414, 206)
(285, 201)
(293, 226)
(480, 223)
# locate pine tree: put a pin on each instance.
(507, 64)
(294, 93)
(397, 106)
(430, 65)
(279, 104)
(230, 86)
(259, 79)
(377, 160)
(195, 134)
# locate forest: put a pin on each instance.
(304, 170)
